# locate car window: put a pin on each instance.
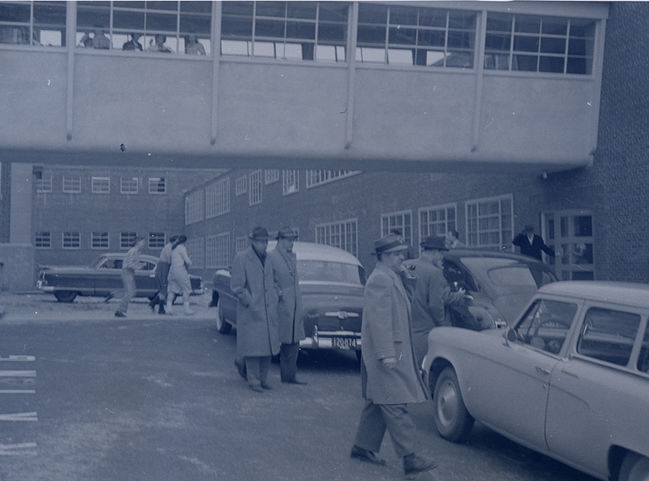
(454, 273)
(643, 359)
(324, 271)
(145, 266)
(111, 264)
(546, 325)
(608, 335)
(509, 272)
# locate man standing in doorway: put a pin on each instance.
(289, 307)
(129, 265)
(531, 244)
(257, 330)
(389, 374)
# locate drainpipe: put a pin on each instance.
(352, 32)
(479, 82)
(70, 43)
(216, 63)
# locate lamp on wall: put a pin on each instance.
(544, 175)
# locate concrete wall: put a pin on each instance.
(17, 267)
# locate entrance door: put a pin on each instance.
(570, 234)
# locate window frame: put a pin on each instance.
(97, 238)
(126, 181)
(76, 181)
(129, 237)
(217, 198)
(195, 206)
(241, 185)
(342, 224)
(44, 184)
(158, 244)
(212, 254)
(255, 186)
(318, 177)
(70, 240)
(39, 240)
(504, 242)
(96, 182)
(423, 233)
(407, 237)
(155, 184)
(290, 181)
(33, 26)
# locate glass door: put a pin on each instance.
(570, 234)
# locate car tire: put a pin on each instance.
(452, 420)
(223, 326)
(65, 296)
(635, 467)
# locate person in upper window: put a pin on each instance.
(100, 40)
(193, 46)
(159, 45)
(133, 43)
(532, 245)
(86, 40)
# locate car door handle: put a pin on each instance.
(542, 371)
(572, 374)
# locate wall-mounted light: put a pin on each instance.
(544, 175)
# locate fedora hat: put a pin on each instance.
(258, 233)
(389, 243)
(287, 232)
(434, 243)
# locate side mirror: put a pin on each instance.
(511, 335)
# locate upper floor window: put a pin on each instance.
(44, 184)
(71, 240)
(72, 184)
(196, 251)
(241, 244)
(165, 27)
(539, 44)
(290, 181)
(400, 222)
(217, 250)
(157, 185)
(271, 176)
(33, 23)
(436, 220)
(217, 198)
(342, 234)
(128, 185)
(254, 192)
(323, 176)
(404, 35)
(490, 222)
(156, 240)
(241, 185)
(127, 240)
(100, 185)
(194, 206)
(285, 30)
(43, 240)
(99, 240)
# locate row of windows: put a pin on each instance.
(71, 184)
(96, 240)
(314, 31)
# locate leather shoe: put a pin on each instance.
(241, 368)
(265, 385)
(366, 455)
(256, 387)
(295, 381)
(413, 464)
(119, 314)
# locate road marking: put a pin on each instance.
(22, 449)
(17, 358)
(17, 391)
(29, 416)
(17, 373)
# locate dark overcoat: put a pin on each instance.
(290, 313)
(252, 284)
(386, 332)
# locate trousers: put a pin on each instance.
(257, 368)
(288, 361)
(128, 281)
(376, 418)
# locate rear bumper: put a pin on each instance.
(344, 340)
(42, 287)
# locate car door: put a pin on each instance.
(145, 284)
(514, 378)
(107, 275)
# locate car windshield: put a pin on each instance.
(324, 271)
(97, 262)
(509, 272)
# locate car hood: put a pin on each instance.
(66, 269)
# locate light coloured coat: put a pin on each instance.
(178, 278)
(252, 284)
(290, 313)
(386, 332)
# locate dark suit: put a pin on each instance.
(534, 248)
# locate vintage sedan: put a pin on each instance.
(102, 277)
(569, 379)
(331, 281)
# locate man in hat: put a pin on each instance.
(389, 373)
(531, 244)
(257, 331)
(432, 293)
(289, 307)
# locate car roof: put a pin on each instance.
(310, 251)
(121, 255)
(629, 293)
(484, 252)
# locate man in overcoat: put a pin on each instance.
(389, 372)
(290, 314)
(432, 295)
(257, 331)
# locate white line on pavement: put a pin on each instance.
(17, 373)
(21, 449)
(17, 391)
(29, 416)
(17, 358)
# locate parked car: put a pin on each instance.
(331, 281)
(569, 379)
(499, 285)
(101, 277)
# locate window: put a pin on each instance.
(436, 220)
(72, 184)
(194, 206)
(166, 27)
(100, 185)
(241, 244)
(490, 222)
(570, 234)
(71, 240)
(254, 192)
(44, 184)
(271, 176)
(156, 240)
(99, 240)
(33, 23)
(196, 251)
(322, 176)
(546, 325)
(342, 234)
(398, 221)
(217, 251)
(404, 35)
(217, 198)
(312, 31)
(608, 335)
(241, 185)
(290, 181)
(539, 44)
(157, 185)
(43, 240)
(127, 240)
(128, 185)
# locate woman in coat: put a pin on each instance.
(178, 280)
(161, 275)
(389, 370)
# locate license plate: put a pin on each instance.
(345, 343)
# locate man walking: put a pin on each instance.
(257, 330)
(129, 265)
(289, 307)
(432, 294)
(389, 374)
(161, 274)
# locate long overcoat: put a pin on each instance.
(290, 313)
(252, 284)
(386, 332)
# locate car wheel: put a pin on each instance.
(452, 420)
(65, 296)
(634, 468)
(222, 325)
